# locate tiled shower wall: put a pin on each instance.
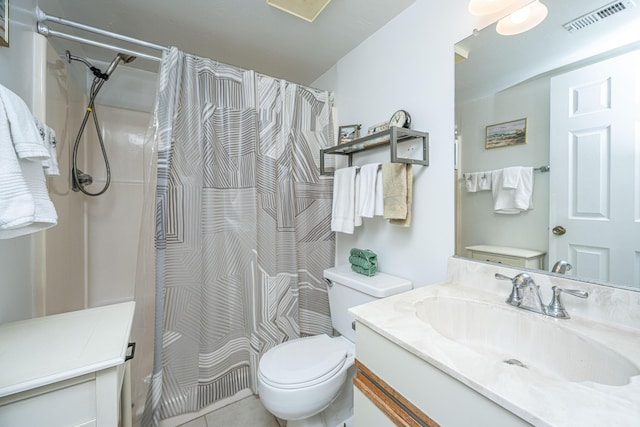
(91, 255)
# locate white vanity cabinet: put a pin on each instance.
(395, 387)
(65, 369)
(507, 255)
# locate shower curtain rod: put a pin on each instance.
(46, 31)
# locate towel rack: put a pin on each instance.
(392, 136)
(543, 168)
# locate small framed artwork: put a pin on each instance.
(348, 133)
(506, 134)
(4, 23)
(378, 128)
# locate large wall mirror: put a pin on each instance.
(564, 98)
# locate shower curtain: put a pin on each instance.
(242, 227)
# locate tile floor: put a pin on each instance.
(246, 412)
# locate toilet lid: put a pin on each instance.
(302, 362)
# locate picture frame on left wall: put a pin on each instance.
(4, 23)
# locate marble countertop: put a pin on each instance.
(542, 400)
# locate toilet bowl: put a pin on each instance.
(301, 378)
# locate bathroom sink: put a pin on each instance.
(542, 345)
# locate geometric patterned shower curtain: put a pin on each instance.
(242, 227)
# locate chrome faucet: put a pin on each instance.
(555, 308)
(561, 267)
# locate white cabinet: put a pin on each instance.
(507, 255)
(405, 388)
(66, 369)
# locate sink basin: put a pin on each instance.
(529, 341)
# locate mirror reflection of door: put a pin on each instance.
(595, 173)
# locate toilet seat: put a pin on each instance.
(302, 362)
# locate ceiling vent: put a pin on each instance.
(598, 15)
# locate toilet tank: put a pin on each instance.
(347, 289)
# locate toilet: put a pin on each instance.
(308, 381)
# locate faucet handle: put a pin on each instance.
(515, 298)
(556, 308)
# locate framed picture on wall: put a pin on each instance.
(506, 134)
(348, 133)
(4, 23)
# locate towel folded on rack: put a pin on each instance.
(397, 203)
(471, 182)
(509, 200)
(484, 181)
(363, 261)
(511, 177)
(367, 192)
(477, 181)
(344, 198)
(379, 210)
(397, 186)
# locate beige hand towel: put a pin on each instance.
(397, 187)
(407, 221)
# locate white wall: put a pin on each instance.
(16, 255)
(408, 64)
(479, 225)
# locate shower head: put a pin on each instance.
(119, 57)
(126, 58)
(96, 71)
(71, 57)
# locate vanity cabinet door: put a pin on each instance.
(435, 394)
(368, 413)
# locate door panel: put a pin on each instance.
(595, 170)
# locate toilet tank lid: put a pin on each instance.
(379, 285)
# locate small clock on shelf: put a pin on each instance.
(400, 119)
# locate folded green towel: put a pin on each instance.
(363, 262)
(363, 253)
(366, 271)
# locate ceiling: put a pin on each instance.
(497, 62)
(245, 33)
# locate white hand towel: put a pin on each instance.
(357, 219)
(524, 192)
(367, 197)
(471, 182)
(512, 200)
(24, 133)
(342, 217)
(379, 194)
(484, 181)
(511, 177)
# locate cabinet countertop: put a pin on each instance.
(45, 350)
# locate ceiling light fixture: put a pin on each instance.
(488, 7)
(304, 9)
(523, 19)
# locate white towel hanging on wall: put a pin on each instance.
(25, 206)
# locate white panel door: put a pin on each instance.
(595, 170)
